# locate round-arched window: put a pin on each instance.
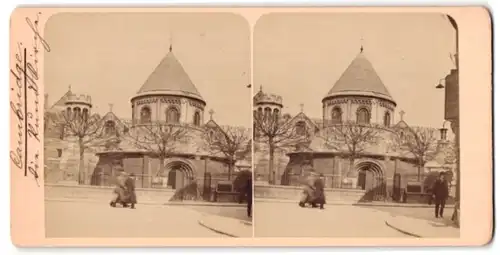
(267, 112)
(196, 118)
(145, 114)
(363, 116)
(173, 115)
(300, 127)
(109, 128)
(387, 119)
(77, 111)
(336, 115)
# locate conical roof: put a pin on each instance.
(360, 78)
(170, 78)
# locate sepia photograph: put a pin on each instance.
(147, 128)
(250, 126)
(356, 125)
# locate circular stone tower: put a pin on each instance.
(169, 96)
(360, 96)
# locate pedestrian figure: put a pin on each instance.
(130, 190)
(313, 192)
(440, 194)
(319, 193)
(124, 192)
(249, 189)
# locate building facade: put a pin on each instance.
(167, 100)
(358, 98)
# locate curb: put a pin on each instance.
(204, 224)
(401, 230)
(297, 201)
(349, 203)
(201, 223)
(395, 205)
(207, 204)
(146, 202)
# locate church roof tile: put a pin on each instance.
(360, 78)
(169, 77)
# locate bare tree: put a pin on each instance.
(451, 153)
(419, 141)
(228, 141)
(278, 132)
(160, 139)
(351, 138)
(85, 128)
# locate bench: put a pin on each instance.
(413, 194)
(225, 190)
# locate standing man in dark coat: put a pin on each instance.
(130, 186)
(319, 192)
(440, 194)
(249, 189)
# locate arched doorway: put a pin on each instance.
(371, 178)
(179, 174)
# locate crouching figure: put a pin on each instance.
(124, 192)
(313, 192)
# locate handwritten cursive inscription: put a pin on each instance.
(25, 104)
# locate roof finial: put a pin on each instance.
(361, 48)
(110, 107)
(260, 87)
(302, 107)
(170, 48)
(401, 114)
(211, 112)
(69, 88)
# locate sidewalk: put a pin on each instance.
(176, 203)
(340, 202)
(227, 226)
(442, 228)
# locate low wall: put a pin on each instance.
(424, 198)
(86, 192)
(294, 193)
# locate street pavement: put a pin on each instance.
(418, 213)
(290, 220)
(97, 220)
(239, 213)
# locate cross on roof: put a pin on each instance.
(69, 87)
(211, 112)
(110, 107)
(401, 114)
(302, 107)
(361, 48)
(170, 48)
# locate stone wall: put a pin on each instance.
(335, 168)
(96, 193)
(146, 168)
(62, 160)
(294, 193)
(261, 163)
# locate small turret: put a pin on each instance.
(267, 102)
(79, 104)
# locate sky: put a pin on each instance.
(300, 56)
(109, 56)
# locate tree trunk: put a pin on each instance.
(81, 165)
(351, 166)
(162, 166)
(271, 165)
(418, 172)
(419, 168)
(230, 168)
